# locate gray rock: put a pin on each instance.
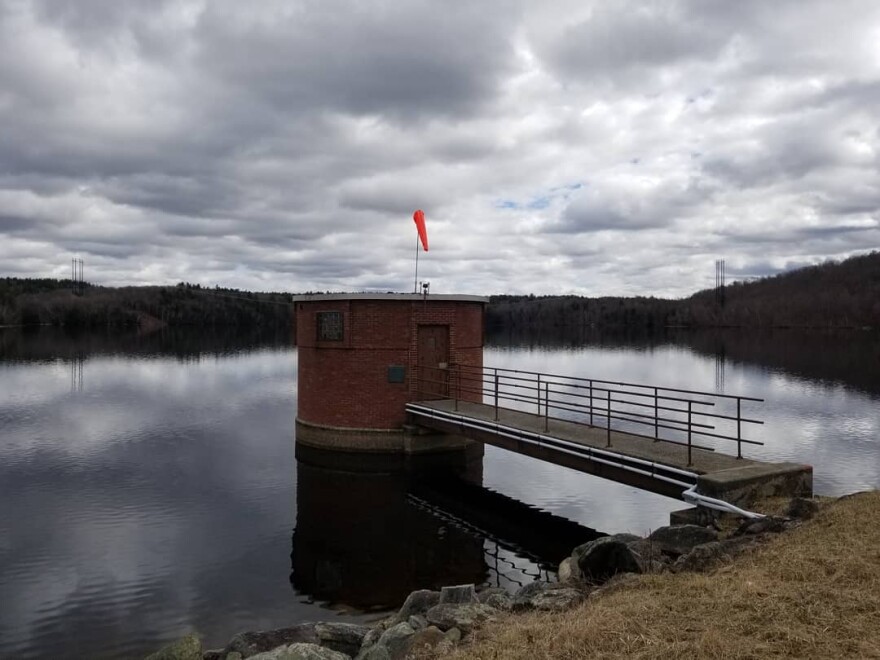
(648, 554)
(569, 571)
(235, 655)
(464, 617)
(394, 640)
(524, 594)
(453, 635)
(677, 540)
(417, 622)
(761, 526)
(372, 636)
(464, 593)
(423, 640)
(343, 637)
(497, 598)
(557, 599)
(802, 508)
(709, 555)
(251, 643)
(375, 652)
(188, 648)
(547, 596)
(301, 651)
(418, 602)
(602, 558)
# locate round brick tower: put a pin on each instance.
(362, 357)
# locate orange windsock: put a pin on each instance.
(419, 218)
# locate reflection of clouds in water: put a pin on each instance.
(598, 503)
(146, 502)
(832, 427)
(125, 397)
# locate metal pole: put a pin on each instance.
(739, 451)
(608, 421)
(416, 278)
(591, 403)
(546, 406)
(690, 406)
(656, 415)
(538, 391)
(457, 384)
(496, 395)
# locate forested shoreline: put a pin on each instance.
(829, 295)
(54, 302)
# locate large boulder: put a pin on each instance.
(188, 648)
(301, 651)
(677, 540)
(251, 643)
(465, 617)
(604, 557)
(547, 596)
(418, 602)
(343, 637)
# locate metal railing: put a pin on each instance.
(662, 414)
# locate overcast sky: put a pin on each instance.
(584, 147)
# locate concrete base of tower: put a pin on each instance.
(405, 441)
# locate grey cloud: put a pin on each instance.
(402, 61)
(630, 38)
(228, 143)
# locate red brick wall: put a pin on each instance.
(345, 384)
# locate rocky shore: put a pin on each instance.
(432, 623)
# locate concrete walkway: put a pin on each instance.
(717, 474)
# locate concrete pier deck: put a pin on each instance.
(660, 467)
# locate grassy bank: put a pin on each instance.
(813, 592)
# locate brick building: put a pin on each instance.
(362, 357)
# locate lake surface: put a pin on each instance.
(149, 484)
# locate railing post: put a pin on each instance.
(690, 406)
(608, 421)
(656, 415)
(546, 406)
(496, 395)
(591, 402)
(457, 384)
(739, 451)
(538, 393)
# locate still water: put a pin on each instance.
(149, 484)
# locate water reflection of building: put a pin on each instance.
(369, 531)
(360, 543)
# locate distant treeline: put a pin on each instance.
(50, 301)
(830, 295)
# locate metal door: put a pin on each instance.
(433, 362)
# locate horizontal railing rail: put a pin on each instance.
(689, 418)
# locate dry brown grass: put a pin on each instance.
(813, 592)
